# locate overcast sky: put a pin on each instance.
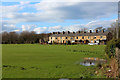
(44, 16)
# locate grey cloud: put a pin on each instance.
(80, 10)
(91, 10)
(62, 11)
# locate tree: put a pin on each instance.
(13, 37)
(25, 37)
(113, 29)
(5, 38)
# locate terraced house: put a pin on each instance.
(100, 37)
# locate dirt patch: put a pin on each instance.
(8, 66)
(83, 51)
(109, 70)
(22, 68)
(13, 67)
(113, 71)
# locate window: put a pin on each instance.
(83, 37)
(71, 37)
(76, 37)
(88, 37)
(94, 37)
(66, 37)
(94, 41)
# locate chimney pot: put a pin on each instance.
(53, 32)
(63, 32)
(90, 31)
(68, 32)
(73, 32)
(78, 31)
(96, 31)
(58, 32)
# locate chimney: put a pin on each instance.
(73, 32)
(53, 32)
(78, 31)
(58, 32)
(96, 31)
(90, 31)
(68, 32)
(103, 31)
(63, 32)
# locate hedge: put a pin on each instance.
(111, 45)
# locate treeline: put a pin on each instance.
(24, 37)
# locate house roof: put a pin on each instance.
(79, 34)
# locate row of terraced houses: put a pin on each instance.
(100, 37)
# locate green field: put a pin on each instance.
(48, 61)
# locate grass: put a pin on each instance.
(48, 61)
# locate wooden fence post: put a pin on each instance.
(117, 36)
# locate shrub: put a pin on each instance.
(111, 45)
(118, 43)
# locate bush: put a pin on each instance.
(118, 43)
(111, 45)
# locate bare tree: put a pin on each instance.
(5, 38)
(13, 37)
(24, 37)
(113, 28)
